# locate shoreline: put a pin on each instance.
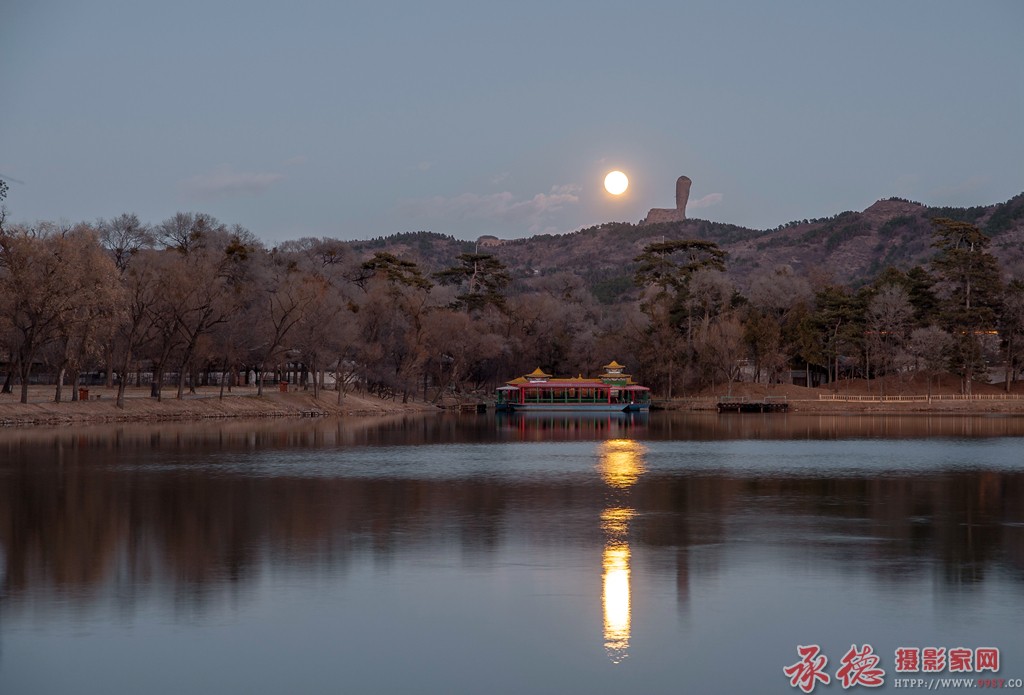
(867, 397)
(879, 407)
(205, 404)
(243, 403)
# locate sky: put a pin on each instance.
(359, 120)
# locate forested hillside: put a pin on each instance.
(899, 290)
(848, 248)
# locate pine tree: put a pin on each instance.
(969, 279)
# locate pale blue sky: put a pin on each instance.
(359, 120)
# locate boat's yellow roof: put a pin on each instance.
(538, 374)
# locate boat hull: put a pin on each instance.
(576, 407)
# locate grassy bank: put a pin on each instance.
(204, 404)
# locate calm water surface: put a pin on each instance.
(662, 554)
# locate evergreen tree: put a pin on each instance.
(665, 270)
(482, 279)
(970, 281)
(834, 329)
(395, 270)
(669, 265)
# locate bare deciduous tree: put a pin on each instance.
(95, 309)
(39, 296)
(124, 236)
(930, 347)
(889, 316)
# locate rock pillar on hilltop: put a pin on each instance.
(676, 214)
(682, 194)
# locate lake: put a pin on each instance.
(661, 553)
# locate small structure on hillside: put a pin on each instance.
(488, 241)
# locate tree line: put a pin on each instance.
(192, 300)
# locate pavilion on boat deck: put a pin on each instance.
(613, 390)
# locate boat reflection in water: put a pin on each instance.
(547, 426)
(621, 464)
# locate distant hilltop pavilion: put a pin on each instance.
(488, 241)
(677, 214)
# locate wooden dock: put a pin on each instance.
(770, 404)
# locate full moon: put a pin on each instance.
(616, 183)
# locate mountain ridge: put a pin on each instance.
(850, 247)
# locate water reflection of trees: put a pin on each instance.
(87, 531)
(241, 435)
(825, 426)
(895, 527)
(419, 429)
